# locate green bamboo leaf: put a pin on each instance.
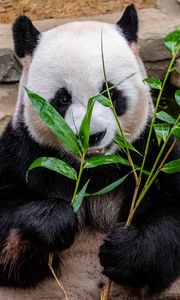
(172, 41)
(109, 188)
(175, 69)
(176, 130)
(54, 164)
(172, 167)
(177, 97)
(100, 160)
(55, 122)
(84, 131)
(123, 144)
(162, 131)
(79, 197)
(163, 116)
(103, 100)
(154, 83)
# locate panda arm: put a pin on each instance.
(46, 221)
(147, 253)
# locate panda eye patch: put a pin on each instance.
(118, 98)
(61, 101)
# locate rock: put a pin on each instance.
(175, 76)
(156, 69)
(8, 96)
(10, 68)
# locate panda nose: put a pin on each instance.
(95, 138)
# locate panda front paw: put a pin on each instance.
(49, 223)
(134, 258)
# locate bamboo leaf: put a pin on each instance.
(109, 188)
(176, 130)
(55, 122)
(163, 116)
(84, 131)
(123, 144)
(154, 83)
(103, 100)
(175, 69)
(79, 197)
(100, 160)
(177, 97)
(162, 131)
(172, 167)
(172, 41)
(54, 164)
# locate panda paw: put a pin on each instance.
(130, 257)
(50, 224)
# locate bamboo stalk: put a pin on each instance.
(106, 291)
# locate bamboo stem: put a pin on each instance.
(60, 285)
(106, 291)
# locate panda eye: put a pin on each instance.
(65, 99)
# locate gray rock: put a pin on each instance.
(10, 68)
(175, 76)
(156, 69)
(8, 96)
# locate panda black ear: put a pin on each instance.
(25, 36)
(129, 23)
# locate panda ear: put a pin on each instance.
(129, 24)
(25, 36)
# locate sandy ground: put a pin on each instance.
(46, 9)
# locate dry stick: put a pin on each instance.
(58, 282)
(142, 294)
(55, 277)
(106, 290)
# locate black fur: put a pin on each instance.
(129, 24)
(118, 98)
(61, 101)
(25, 36)
(47, 223)
(144, 254)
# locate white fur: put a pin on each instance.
(70, 56)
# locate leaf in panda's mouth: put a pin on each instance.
(95, 151)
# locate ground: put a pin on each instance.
(46, 9)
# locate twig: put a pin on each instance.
(55, 277)
(142, 294)
(106, 290)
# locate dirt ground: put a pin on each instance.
(46, 9)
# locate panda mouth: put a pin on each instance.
(98, 150)
(95, 151)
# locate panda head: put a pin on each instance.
(64, 65)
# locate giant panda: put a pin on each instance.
(64, 65)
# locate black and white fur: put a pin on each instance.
(64, 65)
